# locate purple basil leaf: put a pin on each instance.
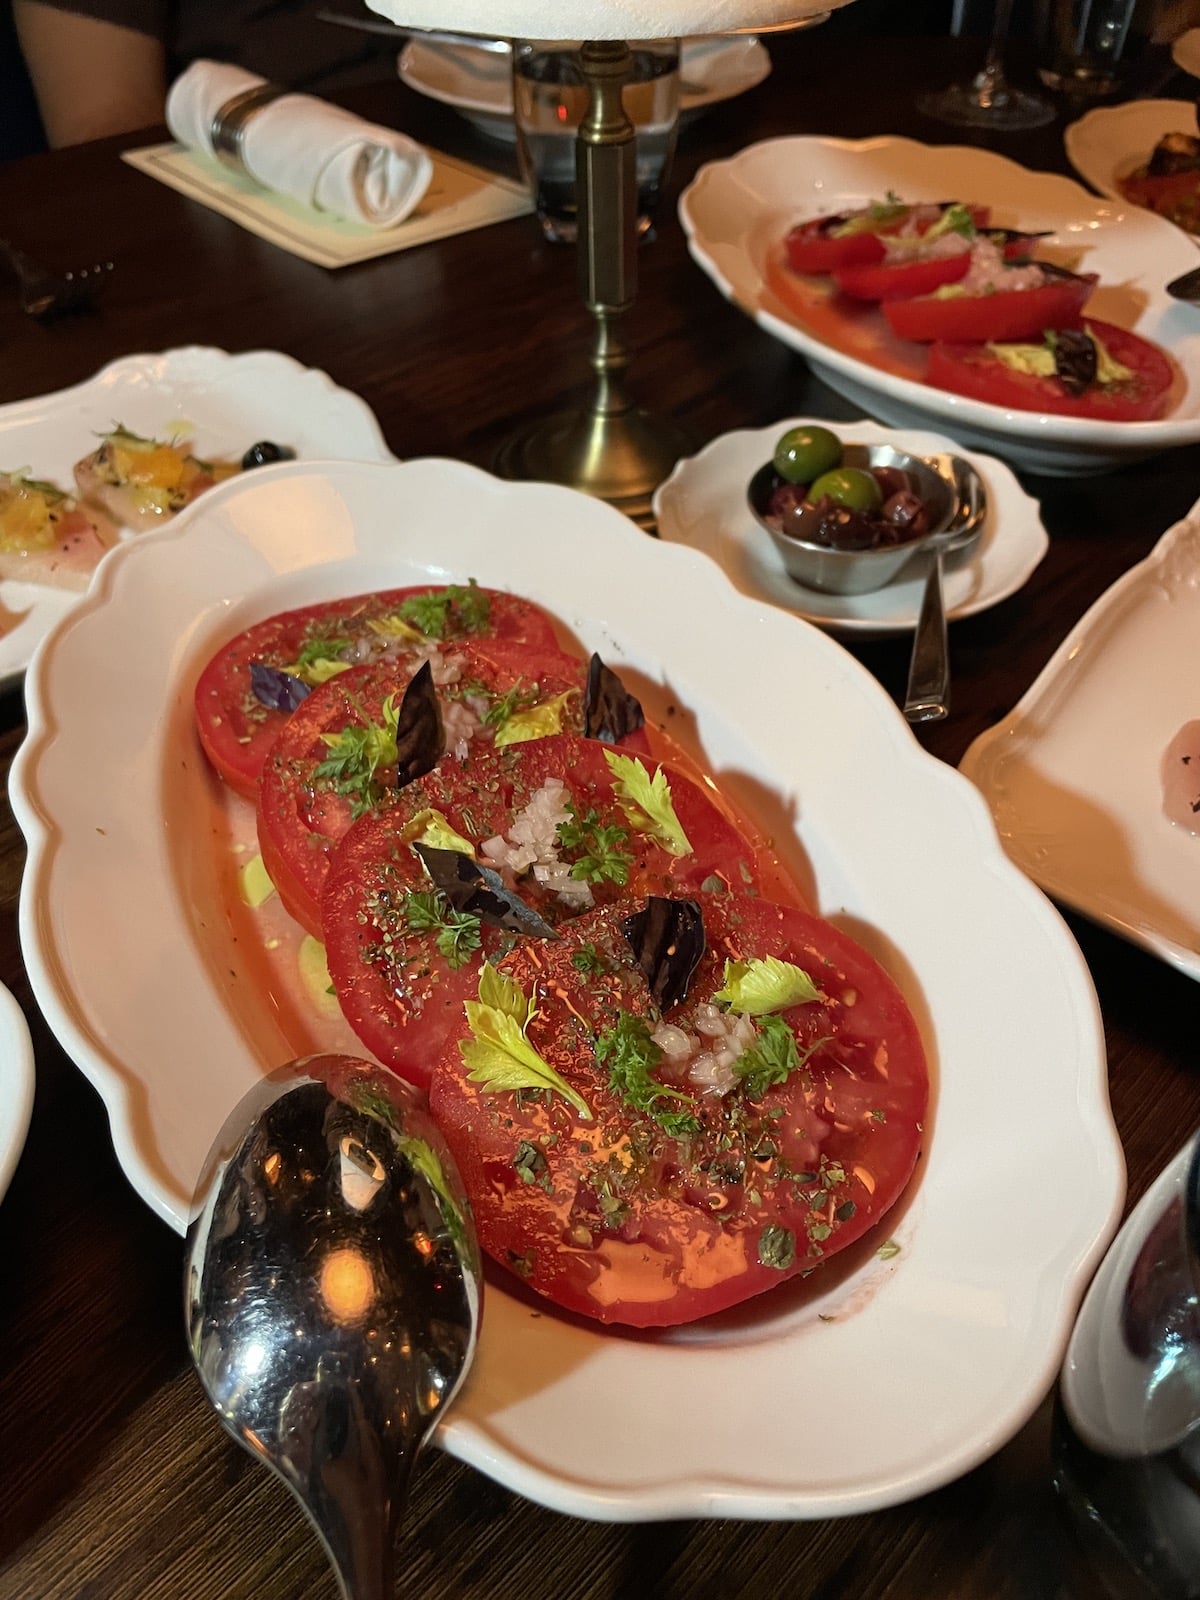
(420, 736)
(667, 940)
(469, 887)
(281, 691)
(609, 710)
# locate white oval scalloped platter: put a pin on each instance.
(737, 212)
(1074, 773)
(938, 1351)
(224, 402)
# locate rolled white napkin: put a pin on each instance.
(305, 148)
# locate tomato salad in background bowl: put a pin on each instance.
(1041, 247)
(164, 988)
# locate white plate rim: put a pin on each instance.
(1167, 564)
(612, 602)
(62, 424)
(736, 273)
(1017, 513)
(17, 1084)
(493, 104)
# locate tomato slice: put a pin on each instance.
(899, 280)
(302, 814)
(972, 370)
(396, 988)
(623, 1218)
(815, 246)
(237, 729)
(1005, 314)
(1174, 195)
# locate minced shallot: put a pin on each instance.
(531, 844)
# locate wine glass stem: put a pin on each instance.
(990, 81)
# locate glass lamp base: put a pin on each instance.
(984, 104)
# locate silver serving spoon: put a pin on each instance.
(928, 695)
(333, 1292)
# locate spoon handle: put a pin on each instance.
(928, 695)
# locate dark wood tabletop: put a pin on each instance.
(116, 1482)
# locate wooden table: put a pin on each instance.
(116, 1483)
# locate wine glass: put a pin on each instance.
(989, 100)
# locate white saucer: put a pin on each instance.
(703, 504)
(479, 82)
(1106, 144)
(16, 1084)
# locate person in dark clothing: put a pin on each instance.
(103, 66)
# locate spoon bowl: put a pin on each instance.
(333, 1288)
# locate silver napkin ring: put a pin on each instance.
(228, 129)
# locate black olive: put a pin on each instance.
(1075, 359)
(264, 453)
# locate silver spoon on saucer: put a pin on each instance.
(928, 696)
(333, 1290)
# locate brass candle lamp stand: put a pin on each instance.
(612, 449)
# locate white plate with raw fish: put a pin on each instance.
(738, 214)
(141, 962)
(217, 404)
(1094, 777)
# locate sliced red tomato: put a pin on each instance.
(303, 811)
(628, 1215)
(899, 280)
(237, 729)
(1004, 314)
(399, 992)
(1174, 195)
(974, 371)
(818, 245)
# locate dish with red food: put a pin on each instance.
(1144, 151)
(739, 213)
(152, 978)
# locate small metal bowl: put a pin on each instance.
(816, 566)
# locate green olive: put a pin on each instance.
(853, 487)
(804, 453)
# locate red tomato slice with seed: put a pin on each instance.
(1007, 314)
(899, 280)
(303, 811)
(815, 246)
(398, 992)
(236, 729)
(974, 371)
(618, 1217)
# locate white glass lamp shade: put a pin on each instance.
(599, 19)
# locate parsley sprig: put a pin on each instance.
(355, 756)
(602, 859)
(456, 933)
(631, 1055)
(772, 1058)
(452, 610)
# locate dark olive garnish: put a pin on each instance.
(1075, 359)
(264, 453)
